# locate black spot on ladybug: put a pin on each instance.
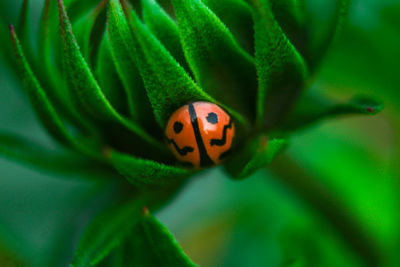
(212, 118)
(178, 126)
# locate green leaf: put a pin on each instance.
(108, 78)
(106, 231)
(236, 15)
(23, 28)
(167, 84)
(39, 157)
(312, 108)
(317, 50)
(165, 29)
(89, 29)
(292, 17)
(281, 69)
(254, 156)
(220, 65)
(48, 68)
(87, 95)
(151, 244)
(121, 44)
(42, 105)
(146, 172)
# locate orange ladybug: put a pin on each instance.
(200, 133)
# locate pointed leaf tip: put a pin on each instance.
(151, 243)
(221, 66)
(167, 84)
(86, 92)
(313, 107)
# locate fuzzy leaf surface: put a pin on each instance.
(236, 15)
(281, 69)
(108, 78)
(221, 67)
(146, 172)
(122, 50)
(40, 103)
(89, 30)
(165, 29)
(292, 17)
(167, 84)
(87, 95)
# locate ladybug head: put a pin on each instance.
(200, 133)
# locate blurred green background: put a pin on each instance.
(256, 222)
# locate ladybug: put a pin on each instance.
(200, 134)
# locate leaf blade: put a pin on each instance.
(281, 69)
(312, 108)
(167, 84)
(38, 98)
(146, 172)
(119, 35)
(317, 50)
(165, 29)
(258, 154)
(236, 15)
(105, 232)
(153, 245)
(89, 99)
(221, 67)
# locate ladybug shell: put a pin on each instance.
(200, 133)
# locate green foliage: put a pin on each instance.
(151, 244)
(108, 78)
(146, 172)
(312, 108)
(236, 15)
(317, 49)
(106, 231)
(220, 65)
(123, 54)
(165, 29)
(254, 156)
(167, 84)
(37, 156)
(281, 69)
(42, 106)
(106, 82)
(87, 95)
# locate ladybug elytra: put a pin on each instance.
(200, 133)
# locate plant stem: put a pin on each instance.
(329, 206)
